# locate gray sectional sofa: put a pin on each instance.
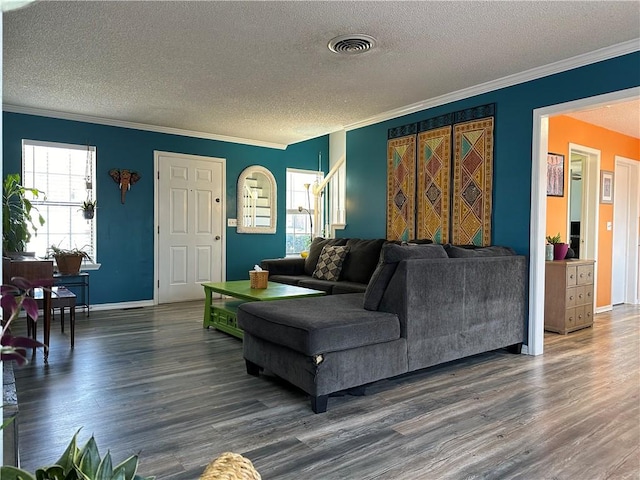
(359, 264)
(424, 305)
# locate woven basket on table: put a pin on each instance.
(230, 466)
(258, 279)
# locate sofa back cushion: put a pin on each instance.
(315, 250)
(390, 255)
(362, 259)
(467, 251)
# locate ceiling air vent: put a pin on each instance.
(352, 44)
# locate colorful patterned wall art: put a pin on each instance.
(401, 174)
(433, 188)
(472, 182)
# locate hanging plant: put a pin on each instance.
(89, 209)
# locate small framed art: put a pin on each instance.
(606, 186)
(555, 175)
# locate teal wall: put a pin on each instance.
(125, 232)
(367, 148)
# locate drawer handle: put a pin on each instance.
(570, 297)
(580, 296)
(571, 276)
(579, 316)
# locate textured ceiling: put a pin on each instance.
(620, 117)
(262, 70)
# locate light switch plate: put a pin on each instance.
(232, 222)
(609, 226)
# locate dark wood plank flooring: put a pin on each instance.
(153, 381)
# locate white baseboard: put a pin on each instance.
(122, 305)
(606, 308)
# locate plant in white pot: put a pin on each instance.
(89, 209)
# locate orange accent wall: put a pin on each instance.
(562, 131)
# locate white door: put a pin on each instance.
(624, 275)
(620, 247)
(189, 216)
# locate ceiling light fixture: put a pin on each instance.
(352, 44)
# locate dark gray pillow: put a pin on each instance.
(316, 249)
(466, 251)
(390, 256)
(362, 259)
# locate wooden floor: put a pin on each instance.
(153, 381)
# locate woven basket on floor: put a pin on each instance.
(230, 466)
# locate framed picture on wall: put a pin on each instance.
(555, 175)
(606, 186)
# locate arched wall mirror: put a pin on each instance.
(257, 201)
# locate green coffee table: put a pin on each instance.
(221, 314)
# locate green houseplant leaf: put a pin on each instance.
(105, 469)
(13, 473)
(17, 216)
(80, 464)
(89, 459)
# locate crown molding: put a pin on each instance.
(528, 75)
(508, 81)
(137, 126)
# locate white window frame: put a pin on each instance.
(87, 169)
(296, 190)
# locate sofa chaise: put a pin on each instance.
(421, 308)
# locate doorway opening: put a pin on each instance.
(582, 214)
(539, 205)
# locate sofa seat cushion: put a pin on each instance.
(348, 287)
(317, 284)
(287, 279)
(318, 325)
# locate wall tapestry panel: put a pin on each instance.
(401, 190)
(472, 182)
(433, 188)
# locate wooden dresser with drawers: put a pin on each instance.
(568, 304)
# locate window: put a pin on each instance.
(300, 205)
(65, 173)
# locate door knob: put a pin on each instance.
(217, 237)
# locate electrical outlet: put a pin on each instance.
(232, 222)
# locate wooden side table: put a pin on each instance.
(568, 304)
(61, 298)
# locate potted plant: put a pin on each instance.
(67, 260)
(80, 464)
(559, 248)
(89, 208)
(17, 220)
